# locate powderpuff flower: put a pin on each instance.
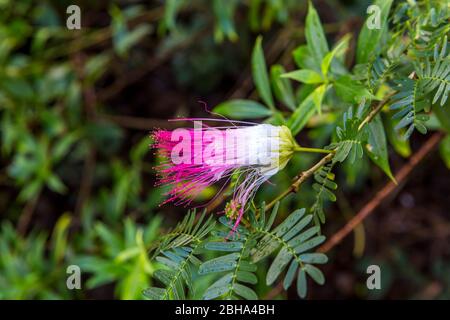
(195, 158)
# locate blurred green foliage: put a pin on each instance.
(77, 187)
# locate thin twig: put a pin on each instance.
(136, 75)
(86, 181)
(90, 38)
(274, 292)
(375, 111)
(385, 192)
(90, 98)
(27, 213)
(293, 188)
(139, 123)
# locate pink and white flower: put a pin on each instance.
(195, 158)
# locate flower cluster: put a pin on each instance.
(195, 158)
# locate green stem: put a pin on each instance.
(312, 150)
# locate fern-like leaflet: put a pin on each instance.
(294, 243)
(407, 107)
(349, 144)
(185, 232)
(379, 70)
(177, 252)
(239, 270)
(324, 187)
(433, 73)
(436, 76)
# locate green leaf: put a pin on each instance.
(290, 275)
(164, 276)
(370, 38)
(338, 49)
(303, 59)
(298, 227)
(55, 184)
(443, 115)
(242, 109)
(305, 76)
(350, 90)
(318, 97)
(302, 288)
(316, 258)
(314, 242)
(281, 260)
(134, 283)
(259, 72)
(401, 146)
(167, 262)
(282, 88)
(154, 293)
(272, 216)
(289, 222)
(264, 248)
(219, 287)
(18, 88)
(315, 37)
(177, 280)
(303, 113)
(63, 145)
(224, 12)
(315, 274)
(247, 277)
(124, 39)
(59, 237)
(245, 292)
(230, 225)
(302, 237)
(277, 119)
(224, 246)
(223, 263)
(377, 146)
(171, 9)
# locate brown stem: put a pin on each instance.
(90, 99)
(300, 179)
(375, 111)
(385, 192)
(136, 75)
(139, 123)
(84, 40)
(274, 292)
(86, 182)
(27, 213)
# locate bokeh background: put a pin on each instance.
(77, 178)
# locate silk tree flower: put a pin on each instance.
(195, 158)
